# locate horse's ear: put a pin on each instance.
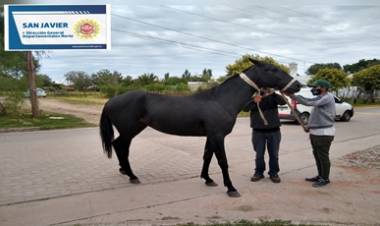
(256, 62)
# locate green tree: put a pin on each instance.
(166, 76)
(243, 63)
(44, 81)
(313, 69)
(360, 65)
(368, 80)
(186, 75)
(105, 76)
(336, 77)
(12, 63)
(206, 75)
(195, 78)
(79, 79)
(221, 79)
(147, 78)
(128, 80)
(174, 80)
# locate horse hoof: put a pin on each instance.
(135, 181)
(122, 171)
(211, 184)
(233, 194)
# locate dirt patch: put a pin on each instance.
(245, 208)
(90, 113)
(170, 218)
(369, 158)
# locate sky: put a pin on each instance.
(214, 33)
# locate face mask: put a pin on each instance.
(315, 91)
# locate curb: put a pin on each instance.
(22, 129)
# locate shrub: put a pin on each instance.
(13, 102)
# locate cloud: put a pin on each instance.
(330, 31)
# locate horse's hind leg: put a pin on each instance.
(207, 156)
(121, 146)
(217, 144)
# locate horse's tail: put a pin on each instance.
(106, 133)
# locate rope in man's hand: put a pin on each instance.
(295, 114)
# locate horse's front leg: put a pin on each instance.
(207, 156)
(217, 144)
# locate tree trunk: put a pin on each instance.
(372, 96)
(2, 109)
(32, 85)
(358, 94)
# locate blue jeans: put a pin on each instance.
(260, 141)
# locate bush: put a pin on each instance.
(336, 77)
(13, 102)
(368, 80)
(155, 87)
(110, 90)
(12, 91)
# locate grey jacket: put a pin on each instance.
(323, 113)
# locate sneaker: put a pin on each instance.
(257, 177)
(321, 182)
(312, 179)
(275, 179)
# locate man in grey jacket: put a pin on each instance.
(322, 129)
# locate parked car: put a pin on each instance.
(40, 93)
(344, 110)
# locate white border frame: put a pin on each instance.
(108, 18)
(6, 28)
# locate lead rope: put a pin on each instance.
(251, 83)
(293, 111)
(261, 114)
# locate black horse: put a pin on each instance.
(211, 113)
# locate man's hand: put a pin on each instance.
(257, 98)
(291, 95)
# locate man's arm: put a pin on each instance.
(317, 101)
(278, 99)
(248, 106)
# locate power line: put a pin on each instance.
(203, 37)
(183, 44)
(228, 22)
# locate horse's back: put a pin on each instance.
(129, 105)
(181, 115)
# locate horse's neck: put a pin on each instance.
(234, 94)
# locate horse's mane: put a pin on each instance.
(209, 93)
(214, 90)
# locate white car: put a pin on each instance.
(344, 111)
(39, 91)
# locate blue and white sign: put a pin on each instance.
(40, 27)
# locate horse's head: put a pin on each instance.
(269, 75)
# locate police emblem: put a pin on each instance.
(86, 29)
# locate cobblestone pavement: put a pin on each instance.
(46, 164)
(76, 164)
(369, 158)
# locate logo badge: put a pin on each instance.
(87, 28)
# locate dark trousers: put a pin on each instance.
(260, 141)
(321, 147)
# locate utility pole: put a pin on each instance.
(32, 85)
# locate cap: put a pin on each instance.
(322, 83)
